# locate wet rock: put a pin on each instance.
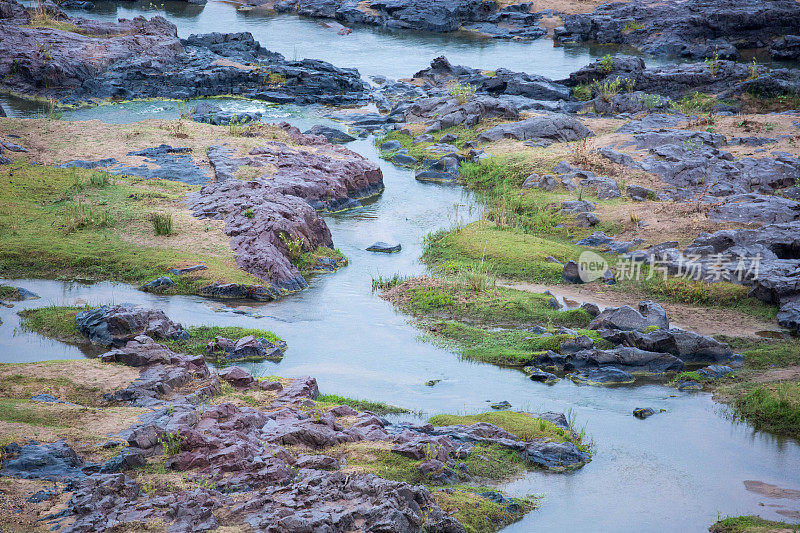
(55, 462)
(602, 376)
(388, 146)
(689, 385)
(556, 455)
(261, 214)
(501, 405)
(17, 294)
(117, 324)
(715, 371)
(187, 270)
(158, 284)
(212, 114)
(536, 374)
(383, 247)
(571, 272)
(687, 345)
(627, 318)
(681, 30)
(577, 206)
(137, 52)
(333, 135)
(445, 112)
(404, 160)
(789, 316)
(590, 308)
(555, 127)
(587, 220)
(643, 412)
(237, 376)
(625, 358)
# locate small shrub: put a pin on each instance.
(162, 223)
(276, 78)
(632, 26)
(582, 92)
(171, 442)
(248, 213)
(713, 63)
(752, 70)
(609, 89)
(293, 246)
(651, 101)
(630, 83)
(383, 283)
(607, 63)
(462, 92)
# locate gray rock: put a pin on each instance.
(602, 376)
(333, 135)
(626, 318)
(554, 127)
(384, 247)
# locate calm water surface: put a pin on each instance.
(677, 471)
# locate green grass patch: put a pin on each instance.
(766, 353)
(511, 347)
(200, 336)
(507, 253)
(479, 514)
(445, 298)
(33, 413)
(77, 223)
(305, 264)
(54, 322)
(773, 407)
(750, 524)
(418, 150)
(523, 425)
(9, 293)
(332, 400)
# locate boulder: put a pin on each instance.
(626, 318)
(237, 376)
(554, 127)
(383, 247)
(117, 324)
(333, 135)
(602, 376)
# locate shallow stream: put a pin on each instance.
(678, 470)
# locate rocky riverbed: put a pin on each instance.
(644, 191)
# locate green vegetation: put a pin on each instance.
(76, 223)
(608, 89)
(773, 407)
(380, 282)
(479, 514)
(607, 63)
(418, 150)
(750, 524)
(450, 299)
(171, 443)
(332, 400)
(506, 252)
(162, 223)
(713, 63)
(509, 347)
(462, 92)
(308, 260)
(632, 26)
(523, 425)
(582, 92)
(30, 412)
(766, 353)
(9, 293)
(200, 336)
(54, 322)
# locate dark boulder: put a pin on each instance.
(383, 247)
(117, 324)
(553, 128)
(602, 376)
(333, 135)
(627, 318)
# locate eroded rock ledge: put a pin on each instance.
(266, 215)
(128, 60)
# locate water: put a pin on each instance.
(373, 51)
(678, 470)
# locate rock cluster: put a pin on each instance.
(643, 343)
(698, 29)
(135, 54)
(515, 21)
(239, 458)
(114, 325)
(267, 215)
